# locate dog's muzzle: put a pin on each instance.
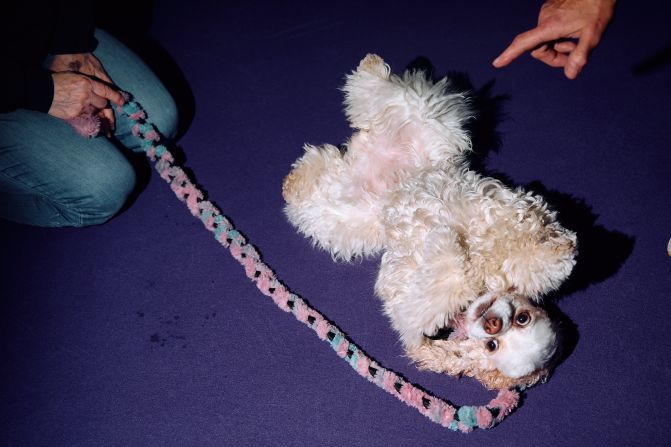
(489, 316)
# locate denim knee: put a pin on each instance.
(52, 177)
(167, 118)
(78, 199)
(104, 192)
(133, 75)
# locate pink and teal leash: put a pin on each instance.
(462, 418)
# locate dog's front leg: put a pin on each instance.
(537, 253)
(424, 287)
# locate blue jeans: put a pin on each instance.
(52, 177)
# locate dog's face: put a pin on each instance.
(517, 335)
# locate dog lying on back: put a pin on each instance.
(458, 249)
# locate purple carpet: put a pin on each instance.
(145, 332)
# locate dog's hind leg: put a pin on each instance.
(408, 113)
(325, 203)
(367, 92)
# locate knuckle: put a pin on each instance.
(594, 41)
(82, 96)
(552, 22)
(579, 60)
(518, 39)
(593, 27)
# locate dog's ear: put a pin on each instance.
(496, 380)
(453, 357)
(465, 358)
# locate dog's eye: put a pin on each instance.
(492, 345)
(522, 318)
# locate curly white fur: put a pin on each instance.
(403, 187)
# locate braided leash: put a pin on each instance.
(462, 418)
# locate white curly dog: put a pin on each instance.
(457, 246)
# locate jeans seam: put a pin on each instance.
(55, 203)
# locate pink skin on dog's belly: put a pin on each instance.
(379, 162)
(377, 168)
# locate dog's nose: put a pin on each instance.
(493, 325)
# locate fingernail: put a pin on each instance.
(496, 61)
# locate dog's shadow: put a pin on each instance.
(601, 252)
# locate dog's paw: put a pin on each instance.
(310, 170)
(428, 357)
(289, 187)
(542, 263)
(374, 64)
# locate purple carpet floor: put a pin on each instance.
(145, 332)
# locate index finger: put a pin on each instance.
(101, 74)
(105, 91)
(524, 42)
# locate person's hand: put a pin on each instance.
(583, 21)
(88, 64)
(75, 93)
